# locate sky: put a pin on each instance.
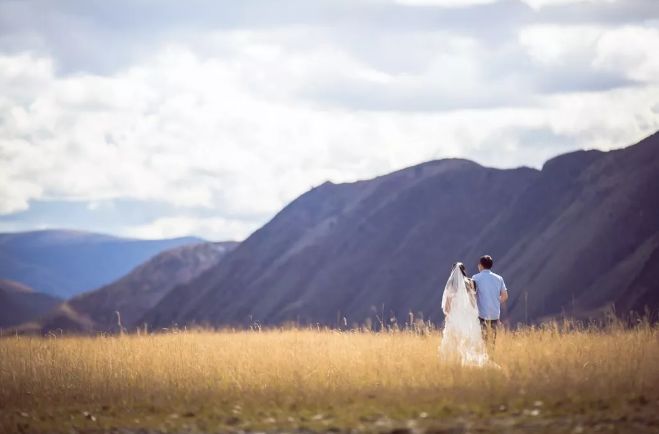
(155, 119)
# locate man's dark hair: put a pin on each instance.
(486, 261)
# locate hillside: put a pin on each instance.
(573, 237)
(65, 263)
(584, 235)
(135, 293)
(19, 303)
(372, 248)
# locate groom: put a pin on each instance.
(491, 291)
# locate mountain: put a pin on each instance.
(574, 237)
(584, 235)
(64, 263)
(136, 292)
(370, 248)
(19, 303)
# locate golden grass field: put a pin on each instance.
(324, 380)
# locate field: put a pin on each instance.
(552, 379)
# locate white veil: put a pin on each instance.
(461, 338)
(454, 289)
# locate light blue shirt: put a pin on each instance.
(488, 288)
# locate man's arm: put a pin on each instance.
(503, 294)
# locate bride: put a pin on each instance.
(461, 339)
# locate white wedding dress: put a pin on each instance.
(462, 340)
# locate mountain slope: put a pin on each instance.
(574, 237)
(137, 292)
(583, 235)
(377, 247)
(65, 263)
(19, 304)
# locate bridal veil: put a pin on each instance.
(462, 340)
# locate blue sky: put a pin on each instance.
(158, 119)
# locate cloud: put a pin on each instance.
(632, 50)
(445, 3)
(207, 134)
(170, 120)
(539, 4)
(588, 57)
(170, 227)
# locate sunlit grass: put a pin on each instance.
(293, 371)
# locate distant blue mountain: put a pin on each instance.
(65, 263)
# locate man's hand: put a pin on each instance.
(503, 296)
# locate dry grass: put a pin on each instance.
(346, 375)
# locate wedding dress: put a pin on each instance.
(462, 340)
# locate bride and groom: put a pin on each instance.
(472, 307)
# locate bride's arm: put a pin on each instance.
(471, 289)
(447, 306)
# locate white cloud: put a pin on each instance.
(554, 44)
(535, 4)
(16, 193)
(539, 4)
(632, 50)
(215, 133)
(445, 3)
(626, 52)
(227, 126)
(214, 229)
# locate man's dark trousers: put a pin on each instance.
(489, 328)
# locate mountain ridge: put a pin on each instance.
(320, 212)
(67, 262)
(344, 250)
(125, 300)
(20, 303)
